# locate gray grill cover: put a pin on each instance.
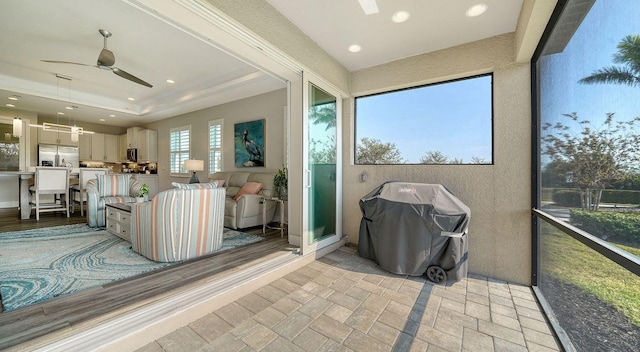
(407, 227)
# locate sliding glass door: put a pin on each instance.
(322, 167)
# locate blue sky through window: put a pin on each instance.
(591, 48)
(454, 118)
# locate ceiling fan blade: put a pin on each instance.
(130, 77)
(106, 58)
(65, 62)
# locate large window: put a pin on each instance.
(179, 144)
(215, 146)
(443, 123)
(588, 70)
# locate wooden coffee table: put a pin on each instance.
(119, 219)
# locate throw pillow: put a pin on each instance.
(248, 188)
(193, 185)
(113, 185)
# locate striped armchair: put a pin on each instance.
(179, 224)
(108, 189)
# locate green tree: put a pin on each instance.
(477, 160)
(434, 157)
(596, 156)
(324, 114)
(628, 56)
(557, 173)
(323, 152)
(374, 151)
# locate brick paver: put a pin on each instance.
(346, 303)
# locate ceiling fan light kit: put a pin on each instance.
(106, 60)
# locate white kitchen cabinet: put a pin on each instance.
(122, 147)
(55, 137)
(132, 136)
(111, 142)
(97, 147)
(84, 147)
(149, 180)
(148, 146)
(104, 147)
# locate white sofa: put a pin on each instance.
(246, 210)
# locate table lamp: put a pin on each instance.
(194, 165)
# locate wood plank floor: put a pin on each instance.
(95, 305)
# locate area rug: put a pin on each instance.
(40, 264)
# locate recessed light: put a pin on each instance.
(14, 97)
(131, 99)
(400, 16)
(354, 48)
(102, 120)
(112, 115)
(476, 10)
(10, 105)
(171, 81)
(60, 113)
(69, 107)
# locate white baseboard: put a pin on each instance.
(10, 204)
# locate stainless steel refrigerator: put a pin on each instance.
(58, 155)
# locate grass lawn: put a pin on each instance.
(570, 261)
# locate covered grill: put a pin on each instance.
(415, 228)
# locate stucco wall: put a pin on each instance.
(268, 106)
(499, 194)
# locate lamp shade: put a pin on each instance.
(194, 165)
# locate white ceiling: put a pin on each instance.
(432, 25)
(146, 47)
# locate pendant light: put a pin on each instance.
(17, 126)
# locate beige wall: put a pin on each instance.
(499, 194)
(268, 106)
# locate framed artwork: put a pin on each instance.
(249, 143)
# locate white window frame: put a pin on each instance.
(181, 172)
(213, 149)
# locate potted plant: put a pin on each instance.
(143, 193)
(280, 182)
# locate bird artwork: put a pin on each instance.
(250, 149)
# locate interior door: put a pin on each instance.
(322, 166)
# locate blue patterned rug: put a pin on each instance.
(37, 265)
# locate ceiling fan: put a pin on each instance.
(106, 60)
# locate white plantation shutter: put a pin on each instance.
(215, 146)
(179, 144)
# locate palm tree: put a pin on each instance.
(628, 56)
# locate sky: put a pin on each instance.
(590, 49)
(452, 118)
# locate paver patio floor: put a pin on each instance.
(342, 302)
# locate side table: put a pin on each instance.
(280, 203)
